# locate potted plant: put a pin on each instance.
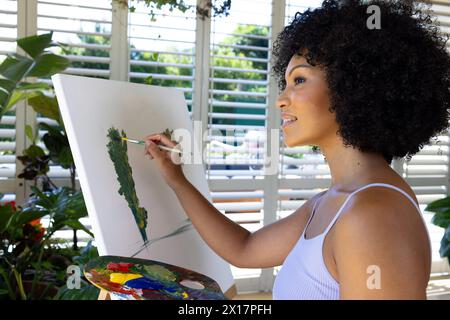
(33, 263)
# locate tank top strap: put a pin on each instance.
(313, 211)
(377, 184)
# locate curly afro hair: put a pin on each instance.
(390, 86)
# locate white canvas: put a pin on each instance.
(89, 107)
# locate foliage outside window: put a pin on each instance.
(218, 8)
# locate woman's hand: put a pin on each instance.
(168, 162)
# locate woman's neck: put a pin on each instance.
(350, 167)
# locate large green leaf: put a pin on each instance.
(41, 199)
(87, 253)
(15, 67)
(63, 202)
(48, 64)
(45, 105)
(7, 85)
(6, 214)
(444, 250)
(34, 151)
(441, 219)
(65, 158)
(439, 205)
(77, 225)
(51, 129)
(58, 146)
(76, 207)
(16, 97)
(55, 142)
(33, 86)
(35, 45)
(86, 292)
(29, 132)
(6, 88)
(23, 217)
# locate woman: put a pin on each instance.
(363, 96)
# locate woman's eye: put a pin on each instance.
(299, 79)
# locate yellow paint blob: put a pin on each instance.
(185, 295)
(121, 278)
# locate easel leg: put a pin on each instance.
(104, 295)
(231, 293)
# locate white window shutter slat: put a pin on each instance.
(8, 37)
(84, 27)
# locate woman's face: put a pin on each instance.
(304, 105)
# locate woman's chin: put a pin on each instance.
(293, 143)
(289, 143)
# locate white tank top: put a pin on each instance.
(304, 275)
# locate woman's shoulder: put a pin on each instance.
(385, 217)
(382, 202)
(382, 227)
(389, 191)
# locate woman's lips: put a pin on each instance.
(287, 119)
(287, 122)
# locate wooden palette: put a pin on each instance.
(139, 279)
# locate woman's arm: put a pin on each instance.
(223, 235)
(266, 247)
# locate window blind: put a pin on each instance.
(162, 52)
(237, 117)
(8, 36)
(427, 171)
(303, 172)
(84, 28)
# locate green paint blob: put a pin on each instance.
(159, 273)
(117, 149)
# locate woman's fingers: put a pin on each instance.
(153, 150)
(161, 138)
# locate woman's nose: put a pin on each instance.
(282, 101)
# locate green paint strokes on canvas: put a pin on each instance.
(117, 149)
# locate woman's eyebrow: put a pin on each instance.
(298, 66)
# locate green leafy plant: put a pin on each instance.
(41, 98)
(26, 246)
(441, 218)
(32, 262)
(86, 290)
(15, 69)
(14, 87)
(35, 161)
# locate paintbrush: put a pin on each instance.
(160, 146)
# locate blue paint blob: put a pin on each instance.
(144, 283)
(150, 284)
